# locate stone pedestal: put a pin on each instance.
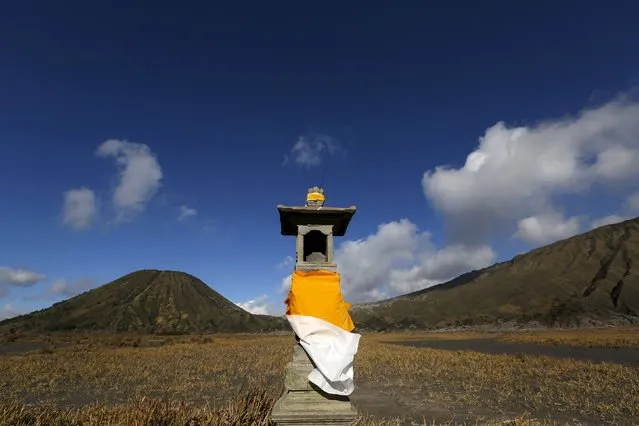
(305, 404)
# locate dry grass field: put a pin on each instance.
(614, 337)
(82, 379)
(619, 337)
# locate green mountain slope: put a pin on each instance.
(147, 301)
(589, 279)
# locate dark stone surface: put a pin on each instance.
(291, 217)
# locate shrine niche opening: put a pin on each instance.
(315, 247)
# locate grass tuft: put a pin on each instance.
(251, 408)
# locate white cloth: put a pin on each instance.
(331, 348)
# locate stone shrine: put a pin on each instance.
(314, 227)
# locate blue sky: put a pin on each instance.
(156, 135)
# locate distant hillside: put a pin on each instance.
(589, 279)
(147, 301)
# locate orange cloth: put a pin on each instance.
(317, 294)
(315, 196)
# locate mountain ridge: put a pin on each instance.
(587, 279)
(147, 300)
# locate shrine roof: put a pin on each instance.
(292, 216)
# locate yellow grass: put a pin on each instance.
(250, 410)
(102, 380)
(617, 337)
(622, 337)
(407, 336)
(605, 391)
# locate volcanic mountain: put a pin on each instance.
(588, 279)
(147, 301)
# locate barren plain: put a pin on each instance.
(109, 379)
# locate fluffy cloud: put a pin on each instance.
(616, 162)
(515, 174)
(9, 311)
(366, 264)
(19, 277)
(140, 175)
(62, 287)
(186, 212)
(547, 228)
(310, 151)
(439, 266)
(511, 184)
(258, 306)
(79, 209)
(399, 259)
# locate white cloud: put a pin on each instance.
(186, 212)
(311, 151)
(632, 202)
(440, 266)
(512, 183)
(547, 228)
(617, 162)
(79, 209)
(62, 287)
(140, 175)
(398, 259)
(9, 311)
(19, 277)
(258, 306)
(285, 284)
(517, 172)
(366, 264)
(288, 262)
(607, 220)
